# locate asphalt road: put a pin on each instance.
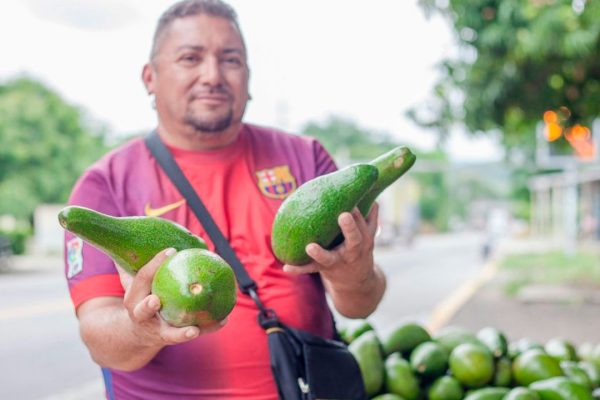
(42, 358)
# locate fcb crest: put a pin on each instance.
(277, 182)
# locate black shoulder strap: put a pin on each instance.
(168, 164)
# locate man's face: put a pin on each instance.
(199, 75)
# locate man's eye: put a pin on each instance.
(233, 61)
(190, 58)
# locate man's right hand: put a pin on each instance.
(143, 307)
(127, 333)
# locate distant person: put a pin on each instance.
(496, 227)
(198, 74)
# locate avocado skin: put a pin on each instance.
(174, 280)
(391, 166)
(130, 241)
(310, 214)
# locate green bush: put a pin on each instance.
(18, 238)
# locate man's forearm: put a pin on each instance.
(360, 299)
(108, 333)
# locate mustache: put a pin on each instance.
(209, 91)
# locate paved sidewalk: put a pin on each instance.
(540, 312)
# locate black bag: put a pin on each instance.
(305, 366)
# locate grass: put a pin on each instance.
(554, 267)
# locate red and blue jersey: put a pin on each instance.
(242, 185)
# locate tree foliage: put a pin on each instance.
(344, 137)
(518, 59)
(45, 144)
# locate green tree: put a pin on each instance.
(45, 144)
(518, 59)
(341, 136)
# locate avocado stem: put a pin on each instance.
(195, 288)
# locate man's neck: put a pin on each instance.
(194, 140)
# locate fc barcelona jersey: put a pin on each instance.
(242, 185)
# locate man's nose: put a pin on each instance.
(210, 71)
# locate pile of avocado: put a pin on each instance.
(408, 363)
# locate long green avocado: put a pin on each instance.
(310, 214)
(130, 241)
(391, 166)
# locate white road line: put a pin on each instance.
(448, 307)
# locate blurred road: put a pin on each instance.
(40, 350)
(42, 357)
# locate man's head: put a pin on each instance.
(188, 8)
(198, 69)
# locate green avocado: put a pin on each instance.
(388, 396)
(404, 338)
(472, 364)
(354, 328)
(445, 388)
(560, 388)
(495, 341)
(534, 365)
(503, 373)
(310, 214)
(195, 287)
(561, 350)
(451, 336)
(366, 349)
(400, 378)
(391, 166)
(521, 346)
(130, 241)
(592, 371)
(488, 393)
(521, 393)
(429, 360)
(576, 373)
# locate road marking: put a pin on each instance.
(31, 310)
(88, 391)
(448, 307)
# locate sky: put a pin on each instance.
(364, 61)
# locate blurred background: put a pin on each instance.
(496, 224)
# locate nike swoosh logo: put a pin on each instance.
(157, 212)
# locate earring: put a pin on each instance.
(153, 102)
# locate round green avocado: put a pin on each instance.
(195, 287)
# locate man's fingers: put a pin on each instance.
(323, 257)
(172, 335)
(372, 219)
(350, 229)
(142, 282)
(146, 309)
(299, 270)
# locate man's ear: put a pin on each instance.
(148, 78)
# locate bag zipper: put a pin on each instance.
(304, 388)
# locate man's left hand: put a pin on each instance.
(351, 263)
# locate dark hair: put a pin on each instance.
(188, 8)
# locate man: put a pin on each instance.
(198, 74)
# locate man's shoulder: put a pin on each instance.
(273, 137)
(122, 157)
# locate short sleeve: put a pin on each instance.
(89, 272)
(324, 163)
